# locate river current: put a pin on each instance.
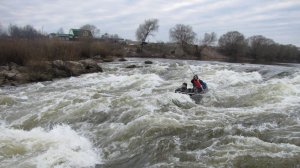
(132, 118)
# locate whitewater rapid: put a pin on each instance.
(132, 118)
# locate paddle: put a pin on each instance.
(191, 70)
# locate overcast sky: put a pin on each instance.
(275, 19)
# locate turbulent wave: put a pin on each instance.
(132, 118)
(58, 147)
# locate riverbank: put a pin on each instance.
(33, 69)
(14, 74)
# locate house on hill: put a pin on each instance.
(80, 34)
(74, 34)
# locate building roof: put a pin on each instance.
(62, 35)
(80, 33)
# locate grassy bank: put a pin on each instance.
(27, 51)
(33, 52)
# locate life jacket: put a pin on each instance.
(196, 83)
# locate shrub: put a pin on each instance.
(23, 51)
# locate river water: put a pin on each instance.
(132, 118)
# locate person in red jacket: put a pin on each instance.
(197, 86)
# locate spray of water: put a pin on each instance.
(132, 118)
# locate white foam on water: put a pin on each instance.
(261, 127)
(141, 103)
(230, 147)
(285, 90)
(6, 100)
(271, 149)
(169, 97)
(227, 78)
(58, 147)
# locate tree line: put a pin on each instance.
(233, 44)
(26, 46)
(26, 32)
(29, 32)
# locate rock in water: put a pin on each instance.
(91, 66)
(122, 59)
(131, 66)
(148, 62)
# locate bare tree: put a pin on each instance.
(182, 34)
(14, 31)
(146, 29)
(28, 32)
(233, 44)
(260, 47)
(94, 30)
(257, 40)
(111, 37)
(287, 53)
(263, 49)
(3, 33)
(1, 29)
(209, 39)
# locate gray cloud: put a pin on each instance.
(275, 19)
